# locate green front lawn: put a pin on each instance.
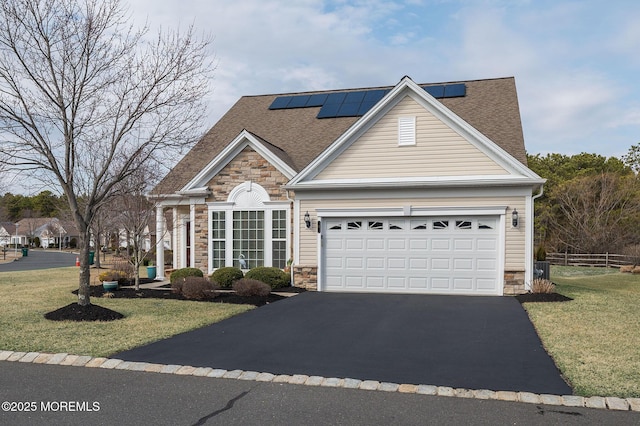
(26, 296)
(594, 339)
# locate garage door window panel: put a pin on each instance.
(463, 224)
(440, 224)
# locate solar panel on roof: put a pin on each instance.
(365, 106)
(317, 100)
(374, 95)
(455, 90)
(335, 98)
(354, 97)
(298, 101)
(328, 111)
(348, 109)
(435, 91)
(355, 103)
(280, 102)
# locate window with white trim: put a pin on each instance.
(248, 239)
(218, 241)
(279, 238)
(248, 230)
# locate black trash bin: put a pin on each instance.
(541, 269)
(25, 251)
(91, 257)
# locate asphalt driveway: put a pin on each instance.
(458, 341)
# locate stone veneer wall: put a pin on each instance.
(305, 277)
(513, 283)
(200, 243)
(246, 166)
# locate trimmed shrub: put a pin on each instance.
(541, 254)
(198, 288)
(181, 274)
(110, 275)
(247, 287)
(275, 277)
(176, 286)
(225, 277)
(540, 285)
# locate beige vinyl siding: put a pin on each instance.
(515, 237)
(439, 151)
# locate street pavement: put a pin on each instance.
(63, 395)
(40, 259)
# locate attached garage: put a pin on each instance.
(438, 255)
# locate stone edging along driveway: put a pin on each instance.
(611, 403)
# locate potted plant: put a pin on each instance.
(151, 270)
(110, 279)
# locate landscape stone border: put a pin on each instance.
(599, 402)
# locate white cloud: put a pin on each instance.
(558, 52)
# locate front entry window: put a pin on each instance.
(248, 239)
(249, 230)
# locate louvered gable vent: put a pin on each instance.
(406, 131)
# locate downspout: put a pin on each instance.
(540, 194)
(533, 236)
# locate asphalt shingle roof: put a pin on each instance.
(298, 137)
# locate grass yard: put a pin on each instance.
(595, 338)
(26, 296)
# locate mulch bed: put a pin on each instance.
(75, 312)
(542, 297)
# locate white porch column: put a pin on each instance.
(175, 238)
(160, 230)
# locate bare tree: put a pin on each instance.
(100, 230)
(135, 214)
(85, 99)
(597, 213)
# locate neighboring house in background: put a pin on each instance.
(7, 233)
(50, 231)
(404, 189)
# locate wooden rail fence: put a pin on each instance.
(604, 260)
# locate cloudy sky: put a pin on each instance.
(576, 63)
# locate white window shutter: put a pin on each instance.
(406, 131)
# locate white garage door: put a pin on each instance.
(442, 255)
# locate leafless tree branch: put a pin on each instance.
(85, 98)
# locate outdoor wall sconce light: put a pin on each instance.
(307, 220)
(514, 218)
